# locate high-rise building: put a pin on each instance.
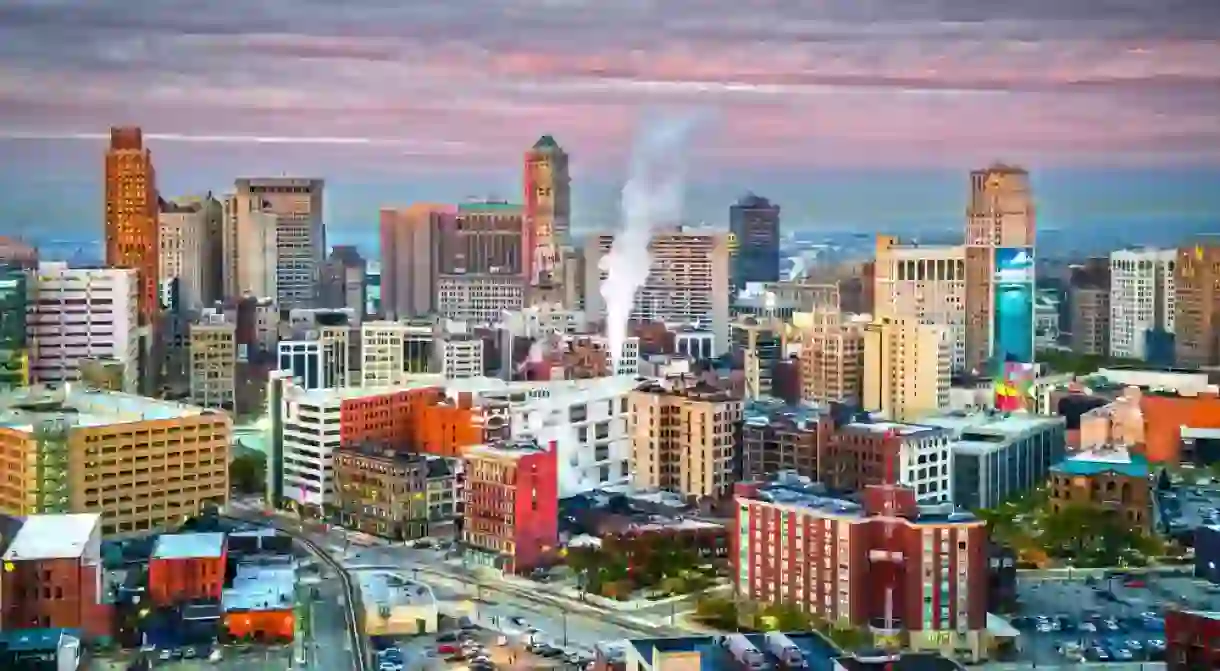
(831, 358)
(925, 282)
(1196, 322)
(213, 361)
(548, 207)
(276, 239)
(683, 437)
(14, 341)
(480, 255)
(409, 259)
(1090, 320)
(131, 215)
(142, 463)
(762, 343)
(83, 312)
(1141, 299)
(185, 251)
(906, 368)
(1000, 228)
(688, 282)
(754, 225)
(342, 283)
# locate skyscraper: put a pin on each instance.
(548, 206)
(754, 225)
(408, 267)
(999, 267)
(132, 225)
(280, 261)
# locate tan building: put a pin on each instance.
(548, 207)
(185, 251)
(131, 215)
(831, 357)
(213, 361)
(392, 351)
(1000, 214)
(275, 239)
(683, 434)
(927, 282)
(1197, 306)
(381, 492)
(906, 368)
(143, 464)
(688, 282)
(102, 373)
(1091, 320)
(408, 261)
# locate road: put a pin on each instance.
(328, 646)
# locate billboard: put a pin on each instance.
(1015, 388)
(1013, 325)
(1014, 265)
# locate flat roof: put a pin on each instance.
(390, 589)
(901, 429)
(339, 394)
(804, 494)
(713, 657)
(1006, 424)
(507, 450)
(258, 587)
(1094, 462)
(23, 409)
(189, 546)
(53, 537)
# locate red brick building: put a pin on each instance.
(512, 505)
(914, 576)
(187, 567)
(1192, 640)
(52, 575)
(391, 419)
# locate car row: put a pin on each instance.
(1091, 623)
(1114, 650)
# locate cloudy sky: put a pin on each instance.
(400, 101)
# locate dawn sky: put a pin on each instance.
(437, 100)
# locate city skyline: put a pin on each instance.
(808, 106)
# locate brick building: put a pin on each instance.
(392, 419)
(52, 576)
(1192, 640)
(777, 437)
(858, 455)
(186, 567)
(382, 492)
(1110, 478)
(512, 505)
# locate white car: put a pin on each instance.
(1088, 627)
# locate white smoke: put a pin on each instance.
(652, 196)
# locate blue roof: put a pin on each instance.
(30, 640)
(1136, 466)
(818, 651)
(189, 546)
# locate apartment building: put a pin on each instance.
(831, 357)
(82, 312)
(1141, 299)
(392, 351)
(914, 576)
(381, 491)
(688, 282)
(143, 464)
(213, 361)
(927, 283)
(683, 437)
(53, 575)
(907, 367)
(1196, 319)
(512, 505)
(185, 253)
(777, 438)
(1090, 320)
(275, 239)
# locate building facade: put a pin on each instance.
(409, 261)
(213, 361)
(1090, 322)
(511, 505)
(14, 340)
(1141, 299)
(187, 567)
(1111, 479)
(1196, 320)
(927, 283)
(776, 438)
(185, 253)
(277, 239)
(754, 225)
(381, 492)
(390, 351)
(52, 576)
(480, 262)
(547, 212)
(907, 367)
(132, 228)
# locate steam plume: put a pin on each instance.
(651, 197)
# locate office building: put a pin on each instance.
(862, 450)
(998, 457)
(143, 464)
(1090, 320)
(1000, 229)
(547, 211)
(382, 492)
(683, 437)
(187, 567)
(1141, 299)
(924, 282)
(754, 225)
(512, 505)
(277, 239)
(14, 339)
(1196, 322)
(762, 343)
(776, 437)
(342, 280)
(391, 351)
(460, 355)
(688, 282)
(79, 313)
(132, 227)
(409, 258)
(906, 368)
(319, 358)
(53, 575)
(911, 575)
(1109, 478)
(831, 357)
(185, 254)
(480, 262)
(213, 361)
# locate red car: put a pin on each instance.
(446, 649)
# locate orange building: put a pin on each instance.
(452, 425)
(393, 420)
(132, 224)
(1164, 417)
(260, 603)
(185, 567)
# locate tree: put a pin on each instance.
(248, 473)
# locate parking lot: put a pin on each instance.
(244, 658)
(1097, 619)
(477, 649)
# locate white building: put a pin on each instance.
(213, 361)
(390, 351)
(927, 283)
(82, 312)
(184, 256)
(479, 299)
(460, 356)
(925, 457)
(906, 368)
(320, 359)
(274, 239)
(1141, 298)
(539, 320)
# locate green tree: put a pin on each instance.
(248, 473)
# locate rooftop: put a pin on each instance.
(54, 537)
(899, 429)
(713, 657)
(189, 546)
(982, 432)
(488, 206)
(797, 492)
(340, 394)
(259, 587)
(510, 449)
(76, 406)
(882, 661)
(392, 590)
(1109, 460)
(763, 412)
